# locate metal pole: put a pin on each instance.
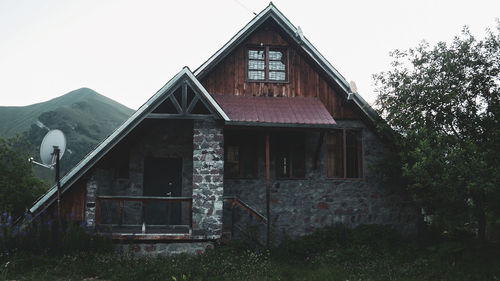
(268, 190)
(56, 153)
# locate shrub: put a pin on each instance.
(47, 235)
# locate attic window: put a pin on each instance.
(267, 64)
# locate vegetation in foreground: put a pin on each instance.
(336, 253)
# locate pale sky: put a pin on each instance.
(127, 50)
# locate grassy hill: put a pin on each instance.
(84, 116)
(18, 119)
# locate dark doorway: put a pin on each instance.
(163, 178)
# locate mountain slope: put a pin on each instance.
(18, 119)
(84, 116)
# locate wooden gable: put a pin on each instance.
(184, 101)
(305, 79)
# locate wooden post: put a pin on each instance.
(97, 213)
(191, 213)
(57, 151)
(268, 189)
(144, 216)
(122, 203)
(344, 152)
(233, 217)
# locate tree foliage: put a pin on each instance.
(19, 188)
(443, 102)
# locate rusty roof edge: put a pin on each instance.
(92, 157)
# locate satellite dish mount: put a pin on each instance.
(51, 150)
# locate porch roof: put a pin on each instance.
(275, 111)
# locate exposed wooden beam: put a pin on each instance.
(184, 97)
(176, 103)
(192, 104)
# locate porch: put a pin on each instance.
(121, 229)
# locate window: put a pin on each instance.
(267, 64)
(290, 158)
(344, 159)
(240, 156)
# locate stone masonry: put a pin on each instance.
(90, 204)
(208, 173)
(300, 206)
(165, 138)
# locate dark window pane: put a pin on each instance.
(353, 154)
(248, 160)
(290, 156)
(232, 163)
(123, 166)
(241, 155)
(283, 164)
(335, 154)
(298, 157)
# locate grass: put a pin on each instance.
(365, 253)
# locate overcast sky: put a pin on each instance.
(127, 50)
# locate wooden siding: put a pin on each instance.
(229, 77)
(72, 202)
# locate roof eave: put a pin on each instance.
(279, 125)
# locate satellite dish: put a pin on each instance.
(354, 88)
(53, 139)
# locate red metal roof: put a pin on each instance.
(277, 110)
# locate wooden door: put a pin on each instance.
(163, 178)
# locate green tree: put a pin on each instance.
(18, 185)
(443, 102)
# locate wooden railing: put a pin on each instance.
(252, 211)
(145, 200)
(236, 201)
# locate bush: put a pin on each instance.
(46, 235)
(341, 239)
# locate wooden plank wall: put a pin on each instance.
(229, 76)
(72, 202)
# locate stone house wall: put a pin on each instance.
(300, 206)
(200, 144)
(165, 138)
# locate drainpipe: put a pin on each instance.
(268, 189)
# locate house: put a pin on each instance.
(265, 135)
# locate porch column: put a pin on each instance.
(208, 178)
(90, 202)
